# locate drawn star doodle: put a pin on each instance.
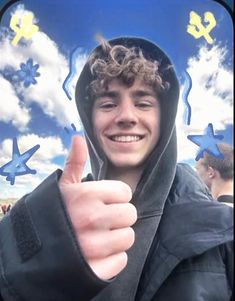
(28, 72)
(17, 166)
(207, 142)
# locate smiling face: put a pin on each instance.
(126, 123)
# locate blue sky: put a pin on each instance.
(37, 114)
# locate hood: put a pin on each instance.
(160, 167)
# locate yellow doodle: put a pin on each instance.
(197, 29)
(23, 27)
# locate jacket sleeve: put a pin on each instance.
(40, 258)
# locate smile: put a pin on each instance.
(126, 138)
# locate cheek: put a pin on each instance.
(202, 176)
(100, 124)
(95, 125)
(96, 121)
(199, 172)
(155, 122)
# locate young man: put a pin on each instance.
(217, 174)
(141, 228)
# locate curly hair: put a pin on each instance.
(126, 64)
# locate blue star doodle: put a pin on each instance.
(186, 91)
(207, 142)
(74, 132)
(28, 72)
(17, 166)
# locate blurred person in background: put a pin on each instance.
(217, 174)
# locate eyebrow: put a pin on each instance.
(112, 94)
(135, 93)
(140, 93)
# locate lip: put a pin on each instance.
(125, 137)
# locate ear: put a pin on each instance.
(211, 172)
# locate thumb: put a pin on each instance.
(75, 161)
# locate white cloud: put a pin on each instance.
(211, 98)
(50, 147)
(11, 110)
(53, 68)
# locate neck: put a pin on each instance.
(130, 176)
(221, 187)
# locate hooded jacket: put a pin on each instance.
(182, 249)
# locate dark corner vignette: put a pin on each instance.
(4, 5)
(228, 5)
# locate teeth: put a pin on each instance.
(126, 138)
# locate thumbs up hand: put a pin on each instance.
(100, 213)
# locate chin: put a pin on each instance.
(127, 163)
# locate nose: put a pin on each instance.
(126, 115)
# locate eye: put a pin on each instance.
(107, 106)
(144, 104)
